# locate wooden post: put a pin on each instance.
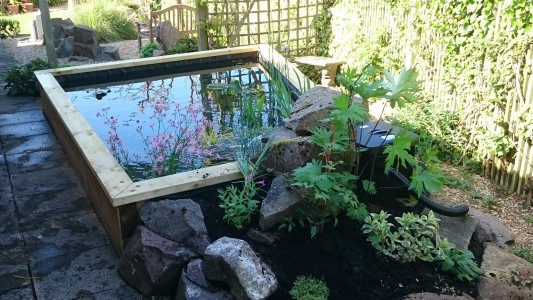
(48, 35)
(201, 18)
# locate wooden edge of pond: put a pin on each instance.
(171, 184)
(152, 60)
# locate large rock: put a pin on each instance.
(194, 286)
(310, 109)
(112, 51)
(507, 276)
(288, 151)
(61, 29)
(458, 230)
(151, 263)
(490, 229)
(167, 35)
(90, 51)
(234, 262)
(85, 35)
(179, 220)
(103, 58)
(279, 203)
(65, 48)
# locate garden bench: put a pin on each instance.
(329, 67)
(182, 17)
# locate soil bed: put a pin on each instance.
(339, 255)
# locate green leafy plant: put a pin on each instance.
(184, 45)
(9, 28)
(20, 79)
(309, 288)
(148, 50)
(417, 238)
(110, 22)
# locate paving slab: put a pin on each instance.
(38, 160)
(80, 275)
(62, 236)
(20, 117)
(7, 204)
(25, 129)
(14, 271)
(18, 294)
(18, 104)
(49, 205)
(29, 144)
(5, 183)
(43, 181)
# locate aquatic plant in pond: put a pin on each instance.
(172, 139)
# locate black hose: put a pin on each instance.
(443, 209)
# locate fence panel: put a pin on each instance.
(285, 24)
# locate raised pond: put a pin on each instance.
(114, 195)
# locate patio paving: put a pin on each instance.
(52, 244)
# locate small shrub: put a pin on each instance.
(110, 23)
(309, 288)
(9, 28)
(21, 80)
(148, 50)
(185, 45)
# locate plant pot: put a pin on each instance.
(13, 9)
(27, 7)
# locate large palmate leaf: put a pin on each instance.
(398, 152)
(423, 180)
(402, 89)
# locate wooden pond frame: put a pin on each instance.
(115, 197)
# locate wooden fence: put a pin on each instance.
(516, 172)
(285, 24)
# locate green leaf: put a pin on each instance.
(402, 89)
(398, 152)
(423, 180)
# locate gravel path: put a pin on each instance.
(24, 50)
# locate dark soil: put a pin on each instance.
(339, 255)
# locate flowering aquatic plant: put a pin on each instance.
(172, 139)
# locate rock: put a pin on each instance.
(234, 262)
(262, 236)
(507, 276)
(78, 58)
(280, 202)
(310, 109)
(103, 58)
(432, 296)
(489, 229)
(90, 51)
(167, 35)
(112, 51)
(194, 286)
(151, 263)
(179, 220)
(65, 48)
(58, 29)
(158, 52)
(458, 230)
(288, 152)
(85, 35)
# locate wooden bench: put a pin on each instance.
(329, 67)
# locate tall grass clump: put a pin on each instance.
(109, 21)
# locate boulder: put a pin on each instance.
(264, 237)
(490, 229)
(103, 58)
(61, 29)
(194, 286)
(507, 276)
(167, 35)
(112, 51)
(151, 263)
(78, 58)
(280, 202)
(87, 50)
(179, 220)
(458, 230)
(288, 151)
(234, 262)
(65, 48)
(85, 35)
(310, 109)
